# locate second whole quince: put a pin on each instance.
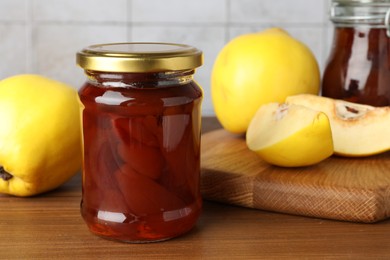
(258, 68)
(40, 134)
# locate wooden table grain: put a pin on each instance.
(49, 226)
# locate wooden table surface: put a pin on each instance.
(50, 227)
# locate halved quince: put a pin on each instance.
(290, 135)
(358, 130)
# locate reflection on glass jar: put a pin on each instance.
(358, 68)
(141, 130)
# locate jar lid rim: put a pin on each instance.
(139, 57)
(354, 2)
(370, 12)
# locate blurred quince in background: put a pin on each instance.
(258, 68)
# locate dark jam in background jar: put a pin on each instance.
(358, 68)
(141, 130)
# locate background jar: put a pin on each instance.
(141, 131)
(358, 68)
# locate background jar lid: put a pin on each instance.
(351, 12)
(139, 57)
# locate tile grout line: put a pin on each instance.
(227, 20)
(29, 37)
(325, 32)
(129, 21)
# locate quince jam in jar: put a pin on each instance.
(358, 68)
(141, 137)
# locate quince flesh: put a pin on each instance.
(290, 135)
(357, 129)
(40, 134)
(258, 68)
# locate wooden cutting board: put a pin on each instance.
(349, 189)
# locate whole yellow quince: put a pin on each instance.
(40, 134)
(258, 68)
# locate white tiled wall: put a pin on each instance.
(42, 36)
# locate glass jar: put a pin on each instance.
(141, 137)
(358, 68)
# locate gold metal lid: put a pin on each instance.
(139, 57)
